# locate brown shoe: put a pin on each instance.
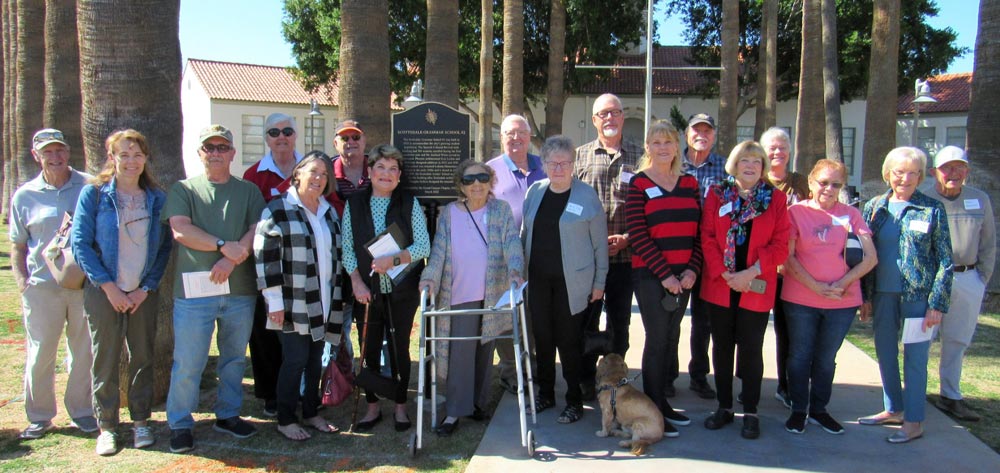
(957, 409)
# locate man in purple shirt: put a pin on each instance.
(516, 170)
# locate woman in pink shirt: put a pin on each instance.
(821, 293)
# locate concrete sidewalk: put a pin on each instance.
(945, 447)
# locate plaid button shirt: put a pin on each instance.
(609, 175)
(712, 171)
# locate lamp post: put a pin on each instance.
(921, 94)
(311, 124)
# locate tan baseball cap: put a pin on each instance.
(215, 130)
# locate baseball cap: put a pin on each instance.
(948, 154)
(701, 118)
(47, 136)
(215, 130)
(349, 126)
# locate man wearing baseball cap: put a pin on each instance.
(973, 246)
(350, 167)
(36, 213)
(213, 217)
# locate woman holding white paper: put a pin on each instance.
(475, 257)
(910, 231)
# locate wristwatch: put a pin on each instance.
(396, 261)
(219, 244)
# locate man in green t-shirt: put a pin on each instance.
(213, 217)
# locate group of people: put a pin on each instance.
(278, 261)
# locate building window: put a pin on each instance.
(925, 138)
(315, 134)
(744, 133)
(847, 148)
(253, 138)
(955, 136)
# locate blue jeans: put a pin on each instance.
(889, 312)
(194, 322)
(815, 336)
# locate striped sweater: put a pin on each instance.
(663, 226)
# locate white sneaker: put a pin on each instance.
(143, 436)
(107, 443)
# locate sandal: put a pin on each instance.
(542, 404)
(294, 432)
(321, 425)
(570, 414)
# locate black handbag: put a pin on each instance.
(853, 253)
(369, 378)
(597, 342)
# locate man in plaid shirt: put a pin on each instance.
(608, 164)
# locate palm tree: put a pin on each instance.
(9, 147)
(810, 143)
(729, 80)
(441, 72)
(130, 77)
(555, 97)
(30, 72)
(831, 81)
(485, 123)
(767, 76)
(984, 118)
(364, 65)
(880, 109)
(62, 75)
(513, 57)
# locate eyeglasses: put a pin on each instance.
(482, 177)
(560, 165)
(209, 148)
(831, 184)
(287, 131)
(346, 138)
(516, 133)
(605, 114)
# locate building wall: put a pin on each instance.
(196, 113)
(938, 124)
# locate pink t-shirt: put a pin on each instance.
(820, 237)
(468, 255)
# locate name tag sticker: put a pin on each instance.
(274, 191)
(842, 221)
(972, 204)
(626, 177)
(725, 209)
(919, 226)
(653, 192)
(575, 209)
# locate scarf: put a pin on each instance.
(743, 210)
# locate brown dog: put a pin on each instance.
(634, 416)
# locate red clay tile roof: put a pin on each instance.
(256, 83)
(952, 91)
(665, 82)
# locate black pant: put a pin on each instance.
(401, 305)
(663, 330)
(556, 329)
(734, 327)
(701, 334)
(265, 354)
(781, 342)
(299, 354)
(618, 308)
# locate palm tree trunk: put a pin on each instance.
(364, 65)
(441, 69)
(767, 76)
(513, 57)
(9, 99)
(880, 108)
(130, 78)
(729, 82)
(831, 82)
(810, 143)
(62, 75)
(485, 122)
(555, 96)
(30, 73)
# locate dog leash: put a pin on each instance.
(614, 392)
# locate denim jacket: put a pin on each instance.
(926, 265)
(95, 236)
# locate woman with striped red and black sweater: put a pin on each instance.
(662, 215)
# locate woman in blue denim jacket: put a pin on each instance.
(123, 248)
(912, 282)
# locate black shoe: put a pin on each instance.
(368, 424)
(402, 425)
(669, 391)
(181, 441)
(670, 431)
(446, 429)
(235, 426)
(751, 427)
(479, 415)
(827, 422)
(270, 408)
(542, 404)
(796, 423)
(719, 419)
(676, 418)
(587, 392)
(701, 387)
(570, 414)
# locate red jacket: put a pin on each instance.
(768, 244)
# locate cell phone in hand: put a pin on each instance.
(758, 286)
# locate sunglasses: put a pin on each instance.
(482, 177)
(209, 148)
(48, 136)
(831, 184)
(346, 138)
(287, 131)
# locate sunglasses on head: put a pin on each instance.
(48, 136)
(346, 138)
(287, 131)
(482, 177)
(209, 148)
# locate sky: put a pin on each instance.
(249, 31)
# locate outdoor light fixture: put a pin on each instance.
(921, 94)
(314, 108)
(416, 92)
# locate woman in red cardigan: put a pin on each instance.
(744, 237)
